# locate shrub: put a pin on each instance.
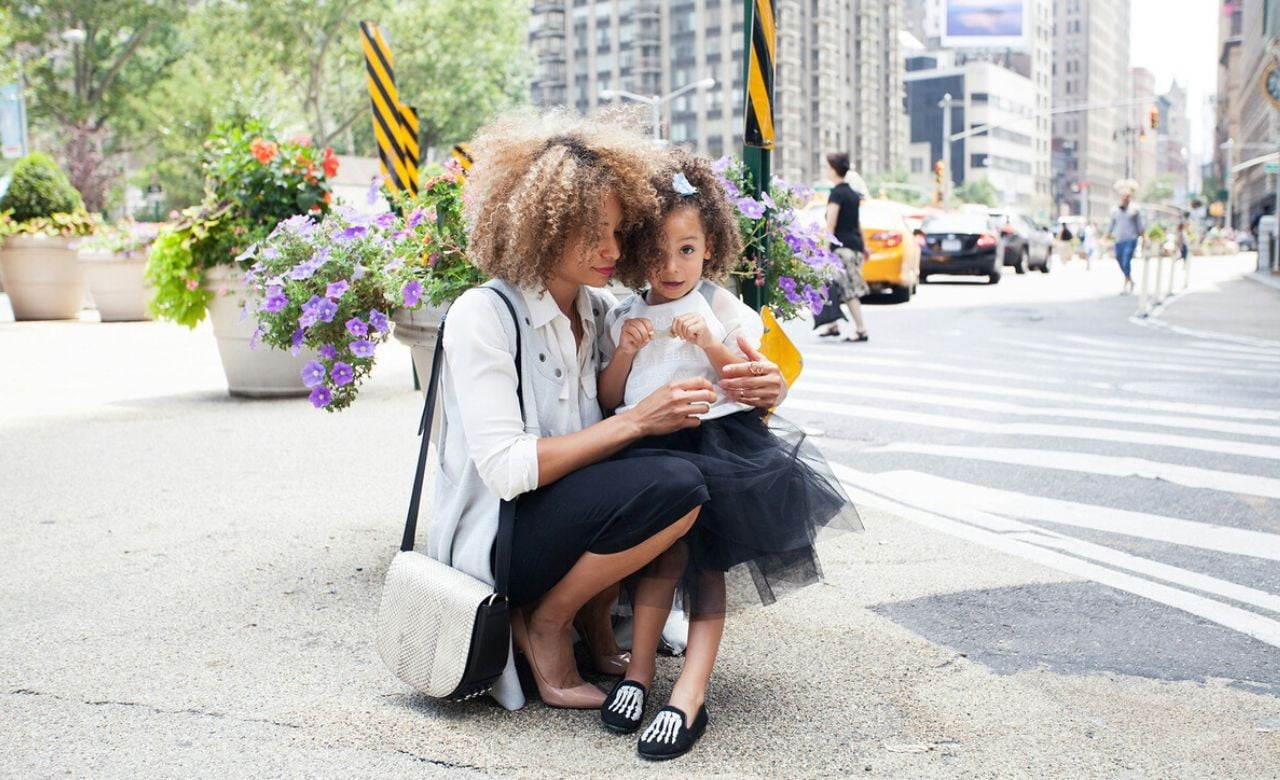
(40, 200)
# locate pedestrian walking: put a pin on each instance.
(1125, 228)
(771, 491)
(844, 223)
(1062, 243)
(1089, 244)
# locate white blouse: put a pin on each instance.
(484, 375)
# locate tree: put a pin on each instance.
(80, 89)
(885, 184)
(1160, 190)
(976, 191)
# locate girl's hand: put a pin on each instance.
(693, 329)
(635, 334)
(757, 382)
(673, 406)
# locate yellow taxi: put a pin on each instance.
(892, 263)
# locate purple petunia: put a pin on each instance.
(768, 201)
(246, 254)
(731, 188)
(415, 218)
(304, 270)
(328, 352)
(720, 165)
(275, 300)
(750, 208)
(342, 374)
(788, 287)
(337, 289)
(358, 273)
(271, 253)
(412, 293)
(313, 373)
(357, 327)
(350, 233)
(296, 341)
(298, 225)
(385, 220)
(375, 190)
(255, 338)
(817, 299)
(320, 396)
(378, 320)
(362, 348)
(326, 310)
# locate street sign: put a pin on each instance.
(11, 143)
(1271, 167)
(395, 124)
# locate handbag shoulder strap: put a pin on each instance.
(507, 511)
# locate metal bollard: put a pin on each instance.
(1186, 273)
(1142, 294)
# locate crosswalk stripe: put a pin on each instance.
(1215, 352)
(996, 428)
(1105, 465)
(1142, 525)
(1090, 357)
(1249, 623)
(1007, 407)
(827, 356)
(853, 376)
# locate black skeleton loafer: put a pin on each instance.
(668, 736)
(623, 711)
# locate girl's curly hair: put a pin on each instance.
(644, 249)
(540, 179)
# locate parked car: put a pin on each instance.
(960, 243)
(892, 263)
(1027, 245)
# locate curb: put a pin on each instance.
(1265, 278)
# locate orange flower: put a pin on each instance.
(328, 197)
(264, 150)
(330, 162)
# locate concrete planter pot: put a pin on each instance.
(43, 278)
(419, 329)
(116, 282)
(262, 372)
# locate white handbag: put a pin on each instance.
(440, 630)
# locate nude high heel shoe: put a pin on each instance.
(605, 663)
(580, 697)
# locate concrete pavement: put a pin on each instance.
(190, 583)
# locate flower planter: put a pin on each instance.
(262, 372)
(418, 329)
(117, 284)
(42, 277)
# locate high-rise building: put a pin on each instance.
(1091, 68)
(1144, 149)
(1173, 141)
(838, 83)
(1226, 103)
(1033, 61)
(1253, 188)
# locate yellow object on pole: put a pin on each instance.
(388, 124)
(776, 346)
(409, 128)
(758, 132)
(462, 153)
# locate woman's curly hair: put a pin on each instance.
(540, 179)
(645, 249)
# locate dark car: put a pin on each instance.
(1027, 246)
(960, 244)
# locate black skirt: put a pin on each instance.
(604, 508)
(772, 496)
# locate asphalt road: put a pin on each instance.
(1069, 567)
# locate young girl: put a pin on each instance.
(770, 492)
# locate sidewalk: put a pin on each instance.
(1227, 298)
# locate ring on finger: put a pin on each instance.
(755, 368)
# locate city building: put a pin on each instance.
(1030, 58)
(1226, 102)
(1253, 190)
(1091, 68)
(1174, 140)
(838, 82)
(1145, 147)
(984, 93)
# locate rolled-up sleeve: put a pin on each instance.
(738, 319)
(484, 380)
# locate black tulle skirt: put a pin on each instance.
(772, 497)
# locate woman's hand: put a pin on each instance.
(757, 382)
(673, 406)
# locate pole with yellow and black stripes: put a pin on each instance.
(758, 131)
(395, 125)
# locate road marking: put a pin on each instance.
(1206, 352)
(1142, 525)
(1076, 432)
(817, 355)
(1093, 358)
(854, 376)
(1249, 623)
(1105, 465)
(1007, 407)
(1153, 322)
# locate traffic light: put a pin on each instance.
(1154, 114)
(939, 171)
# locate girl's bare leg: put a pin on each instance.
(705, 631)
(654, 592)
(550, 620)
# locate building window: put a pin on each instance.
(979, 97)
(917, 165)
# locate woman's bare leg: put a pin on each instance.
(652, 605)
(705, 631)
(854, 306)
(549, 622)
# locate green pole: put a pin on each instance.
(757, 162)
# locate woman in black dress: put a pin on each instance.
(843, 223)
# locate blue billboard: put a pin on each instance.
(986, 24)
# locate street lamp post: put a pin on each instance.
(945, 105)
(654, 102)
